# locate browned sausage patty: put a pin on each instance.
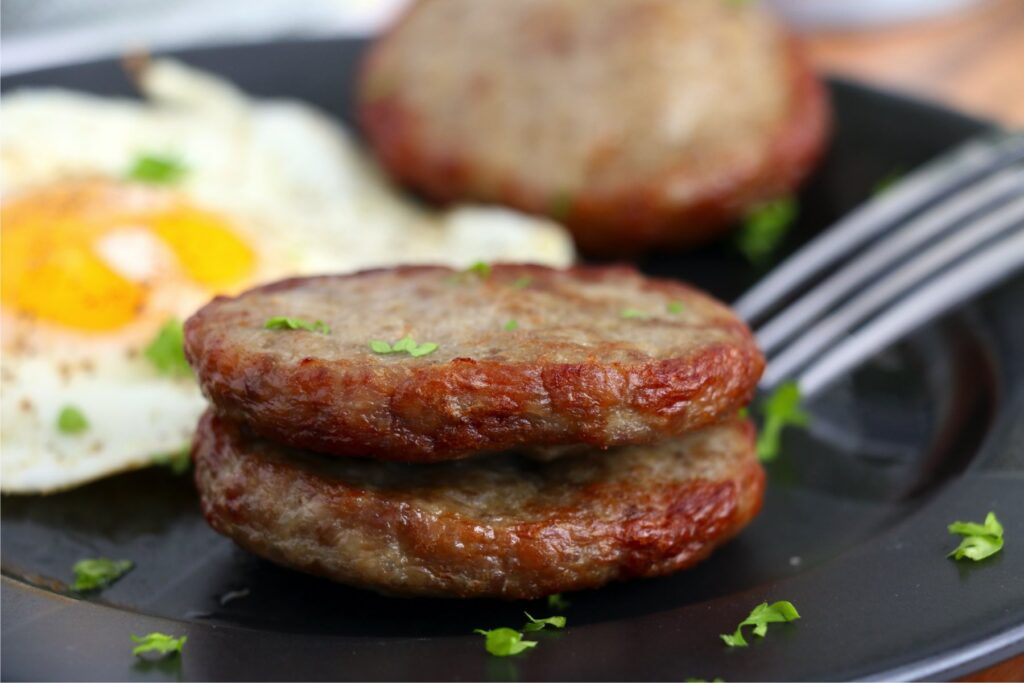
(498, 526)
(598, 355)
(638, 123)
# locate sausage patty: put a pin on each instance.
(638, 123)
(526, 356)
(501, 526)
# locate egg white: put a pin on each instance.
(294, 187)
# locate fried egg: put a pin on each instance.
(96, 260)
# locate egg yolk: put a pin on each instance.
(53, 270)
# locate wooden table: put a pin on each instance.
(972, 60)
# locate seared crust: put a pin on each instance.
(501, 526)
(573, 371)
(638, 123)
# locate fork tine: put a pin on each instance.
(936, 179)
(890, 288)
(984, 269)
(902, 241)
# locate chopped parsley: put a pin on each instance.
(560, 206)
(71, 420)
(522, 282)
(557, 602)
(404, 345)
(281, 322)
(980, 540)
(743, 413)
(480, 269)
(98, 572)
(504, 642)
(167, 350)
(782, 409)
(177, 461)
(158, 642)
(511, 325)
(157, 169)
(759, 618)
(628, 313)
(887, 181)
(540, 624)
(763, 229)
(675, 307)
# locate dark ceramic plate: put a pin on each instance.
(853, 530)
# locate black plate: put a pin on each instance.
(853, 530)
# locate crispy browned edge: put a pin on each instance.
(307, 404)
(630, 220)
(537, 558)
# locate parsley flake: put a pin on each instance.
(560, 206)
(522, 282)
(177, 461)
(557, 602)
(157, 169)
(540, 624)
(675, 307)
(281, 322)
(71, 420)
(629, 313)
(404, 345)
(98, 572)
(511, 325)
(763, 229)
(480, 269)
(887, 181)
(780, 410)
(158, 642)
(980, 540)
(167, 350)
(759, 618)
(504, 642)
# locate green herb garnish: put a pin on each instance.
(71, 420)
(480, 269)
(628, 313)
(675, 307)
(743, 413)
(158, 642)
(780, 410)
(404, 345)
(540, 624)
(522, 282)
(281, 322)
(177, 461)
(98, 572)
(504, 642)
(980, 540)
(512, 325)
(887, 181)
(759, 618)
(167, 350)
(560, 206)
(157, 169)
(557, 602)
(763, 229)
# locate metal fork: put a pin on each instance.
(946, 233)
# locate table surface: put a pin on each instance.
(972, 60)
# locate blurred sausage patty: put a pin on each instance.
(526, 356)
(638, 123)
(499, 526)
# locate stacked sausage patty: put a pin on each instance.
(507, 432)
